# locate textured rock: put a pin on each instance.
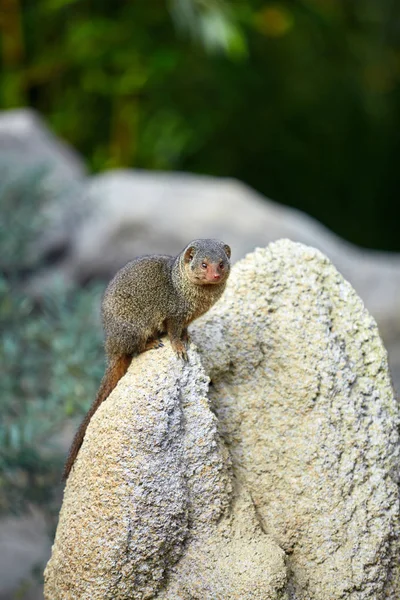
(308, 413)
(163, 503)
(152, 475)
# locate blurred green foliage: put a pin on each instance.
(50, 350)
(299, 98)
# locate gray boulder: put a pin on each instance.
(29, 149)
(187, 490)
(139, 212)
(25, 140)
(130, 213)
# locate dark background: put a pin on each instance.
(300, 99)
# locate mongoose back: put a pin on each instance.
(148, 297)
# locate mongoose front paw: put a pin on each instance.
(185, 337)
(180, 349)
(183, 354)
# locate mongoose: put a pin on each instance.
(151, 296)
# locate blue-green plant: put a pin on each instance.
(50, 350)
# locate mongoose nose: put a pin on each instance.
(217, 276)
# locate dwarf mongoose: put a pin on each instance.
(148, 297)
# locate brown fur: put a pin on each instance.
(151, 296)
(116, 369)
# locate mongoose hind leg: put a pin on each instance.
(153, 344)
(122, 336)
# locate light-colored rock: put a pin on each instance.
(99, 223)
(310, 419)
(167, 501)
(151, 477)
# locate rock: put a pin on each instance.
(26, 141)
(168, 501)
(304, 402)
(153, 476)
(138, 212)
(97, 224)
(29, 149)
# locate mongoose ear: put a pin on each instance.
(227, 250)
(189, 253)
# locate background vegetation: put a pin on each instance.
(299, 98)
(51, 358)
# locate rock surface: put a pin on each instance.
(28, 146)
(153, 474)
(26, 140)
(310, 419)
(169, 501)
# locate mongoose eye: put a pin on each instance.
(204, 265)
(221, 265)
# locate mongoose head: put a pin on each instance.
(206, 262)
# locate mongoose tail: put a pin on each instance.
(116, 369)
